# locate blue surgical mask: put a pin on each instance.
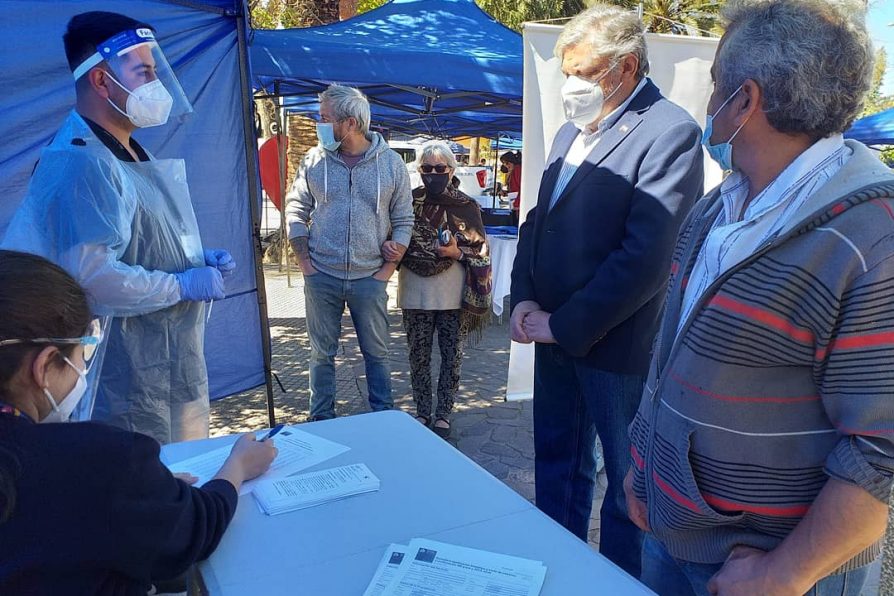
(326, 136)
(722, 153)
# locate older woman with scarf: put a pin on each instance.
(444, 284)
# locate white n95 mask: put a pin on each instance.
(148, 105)
(62, 410)
(583, 100)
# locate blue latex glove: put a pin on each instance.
(201, 284)
(221, 259)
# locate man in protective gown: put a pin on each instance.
(121, 222)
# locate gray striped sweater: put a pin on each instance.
(782, 376)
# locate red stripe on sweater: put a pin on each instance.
(740, 398)
(676, 496)
(731, 506)
(838, 208)
(884, 206)
(675, 266)
(863, 431)
(864, 340)
(636, 457)
(762, 316)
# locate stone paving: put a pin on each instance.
(496, 434)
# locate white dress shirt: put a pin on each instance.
(735, 236)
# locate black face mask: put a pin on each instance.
(435, 184)
(504, 169)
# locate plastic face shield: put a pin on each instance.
(135, 59)
(91, 341)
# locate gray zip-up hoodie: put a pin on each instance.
(348, 213)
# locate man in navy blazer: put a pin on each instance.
(593, 259)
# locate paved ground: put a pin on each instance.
(494, 433)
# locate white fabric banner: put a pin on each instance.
(681, 68)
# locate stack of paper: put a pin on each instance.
(314, 488)
(298, 450)
(429, 568)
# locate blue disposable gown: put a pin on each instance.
(123, 229)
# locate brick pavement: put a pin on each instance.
(497, 435)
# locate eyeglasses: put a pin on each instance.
(90, 341)
(439, 168)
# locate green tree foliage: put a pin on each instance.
(876, 101)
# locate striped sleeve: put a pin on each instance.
(855, 367)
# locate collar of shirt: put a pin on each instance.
(734, 189)
(615, 114)
(114, 145)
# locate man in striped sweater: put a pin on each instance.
(763, 448)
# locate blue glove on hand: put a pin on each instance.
(221, 259)
(201, 284)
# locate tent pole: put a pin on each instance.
(254, 185)
(496, 161)
(281, 151)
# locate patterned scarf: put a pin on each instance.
(463, 218)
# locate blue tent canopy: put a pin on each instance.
(877, 129)
(206, 43)
(428, 66)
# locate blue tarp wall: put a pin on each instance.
(199, 38)
(877, 129)
(428, 66)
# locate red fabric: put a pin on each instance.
(514, 184)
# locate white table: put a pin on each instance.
(429, 490)
(502, 255)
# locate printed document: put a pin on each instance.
(298, 450)
(436, 569)
(314, 488)
(387, 568)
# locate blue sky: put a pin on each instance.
(881, 14)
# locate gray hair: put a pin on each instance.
(610, 31)
(812, 59)
(436, 149)
(348, 102)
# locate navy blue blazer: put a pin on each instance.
(599, 259)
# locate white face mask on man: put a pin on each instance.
(148, 105)
(62, 410)
(583, 100)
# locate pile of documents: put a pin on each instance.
(298, 450)
(314, 488)
(429, 568)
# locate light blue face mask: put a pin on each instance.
(326, 136)
(722, 153)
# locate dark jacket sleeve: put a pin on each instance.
(522, 287)
(670, 179)
(162, 524)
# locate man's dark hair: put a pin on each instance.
(89, 29)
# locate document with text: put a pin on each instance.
(432, 568)
(298, 450)
(314, 488)
(386, 570)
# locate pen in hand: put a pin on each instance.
(272, 432)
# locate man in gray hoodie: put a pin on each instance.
(349, 205)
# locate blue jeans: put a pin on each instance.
(668, 576)
(572, 403)
(367, 300)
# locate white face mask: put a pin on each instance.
(62, 410)
(148, 105)
(583, 100)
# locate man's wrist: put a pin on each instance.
(790, 578)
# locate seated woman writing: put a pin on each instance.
(87, 508)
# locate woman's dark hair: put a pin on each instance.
(38, 299)
(513, 157)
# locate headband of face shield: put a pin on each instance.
(135, 62)
(90, 340)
